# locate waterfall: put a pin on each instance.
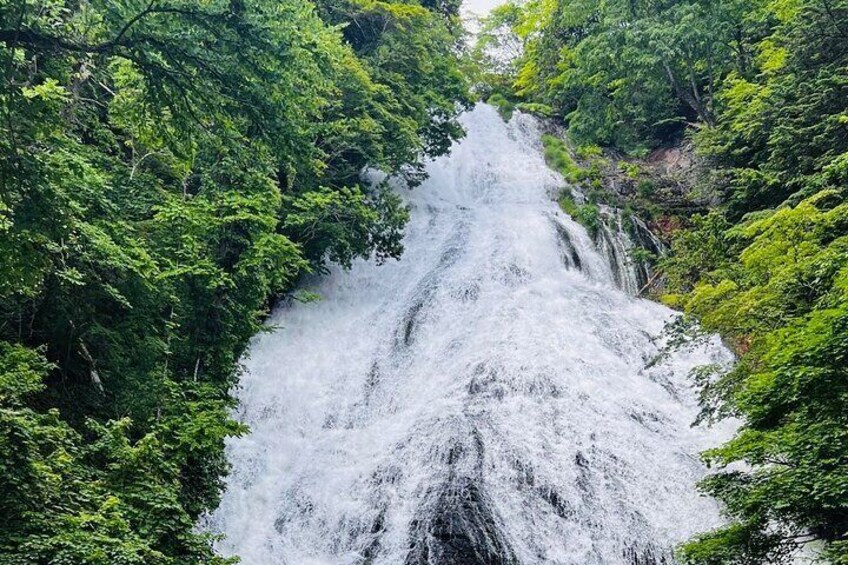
(491, 398)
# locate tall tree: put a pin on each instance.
(168, 168)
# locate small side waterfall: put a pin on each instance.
(617, 239)
(493, 398)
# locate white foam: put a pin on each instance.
(479, 355)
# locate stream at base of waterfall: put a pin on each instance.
(494, 397)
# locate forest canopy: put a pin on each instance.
(169, 168)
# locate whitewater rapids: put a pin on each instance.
(491, 398)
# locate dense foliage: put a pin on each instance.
(167, 168)
(628, 73)
(761, 88)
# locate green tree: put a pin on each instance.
(632, 74)
(169, 168)
(783, 301)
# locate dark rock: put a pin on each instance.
(459, 529)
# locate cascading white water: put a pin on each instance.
(488, 399)
(617, 243)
